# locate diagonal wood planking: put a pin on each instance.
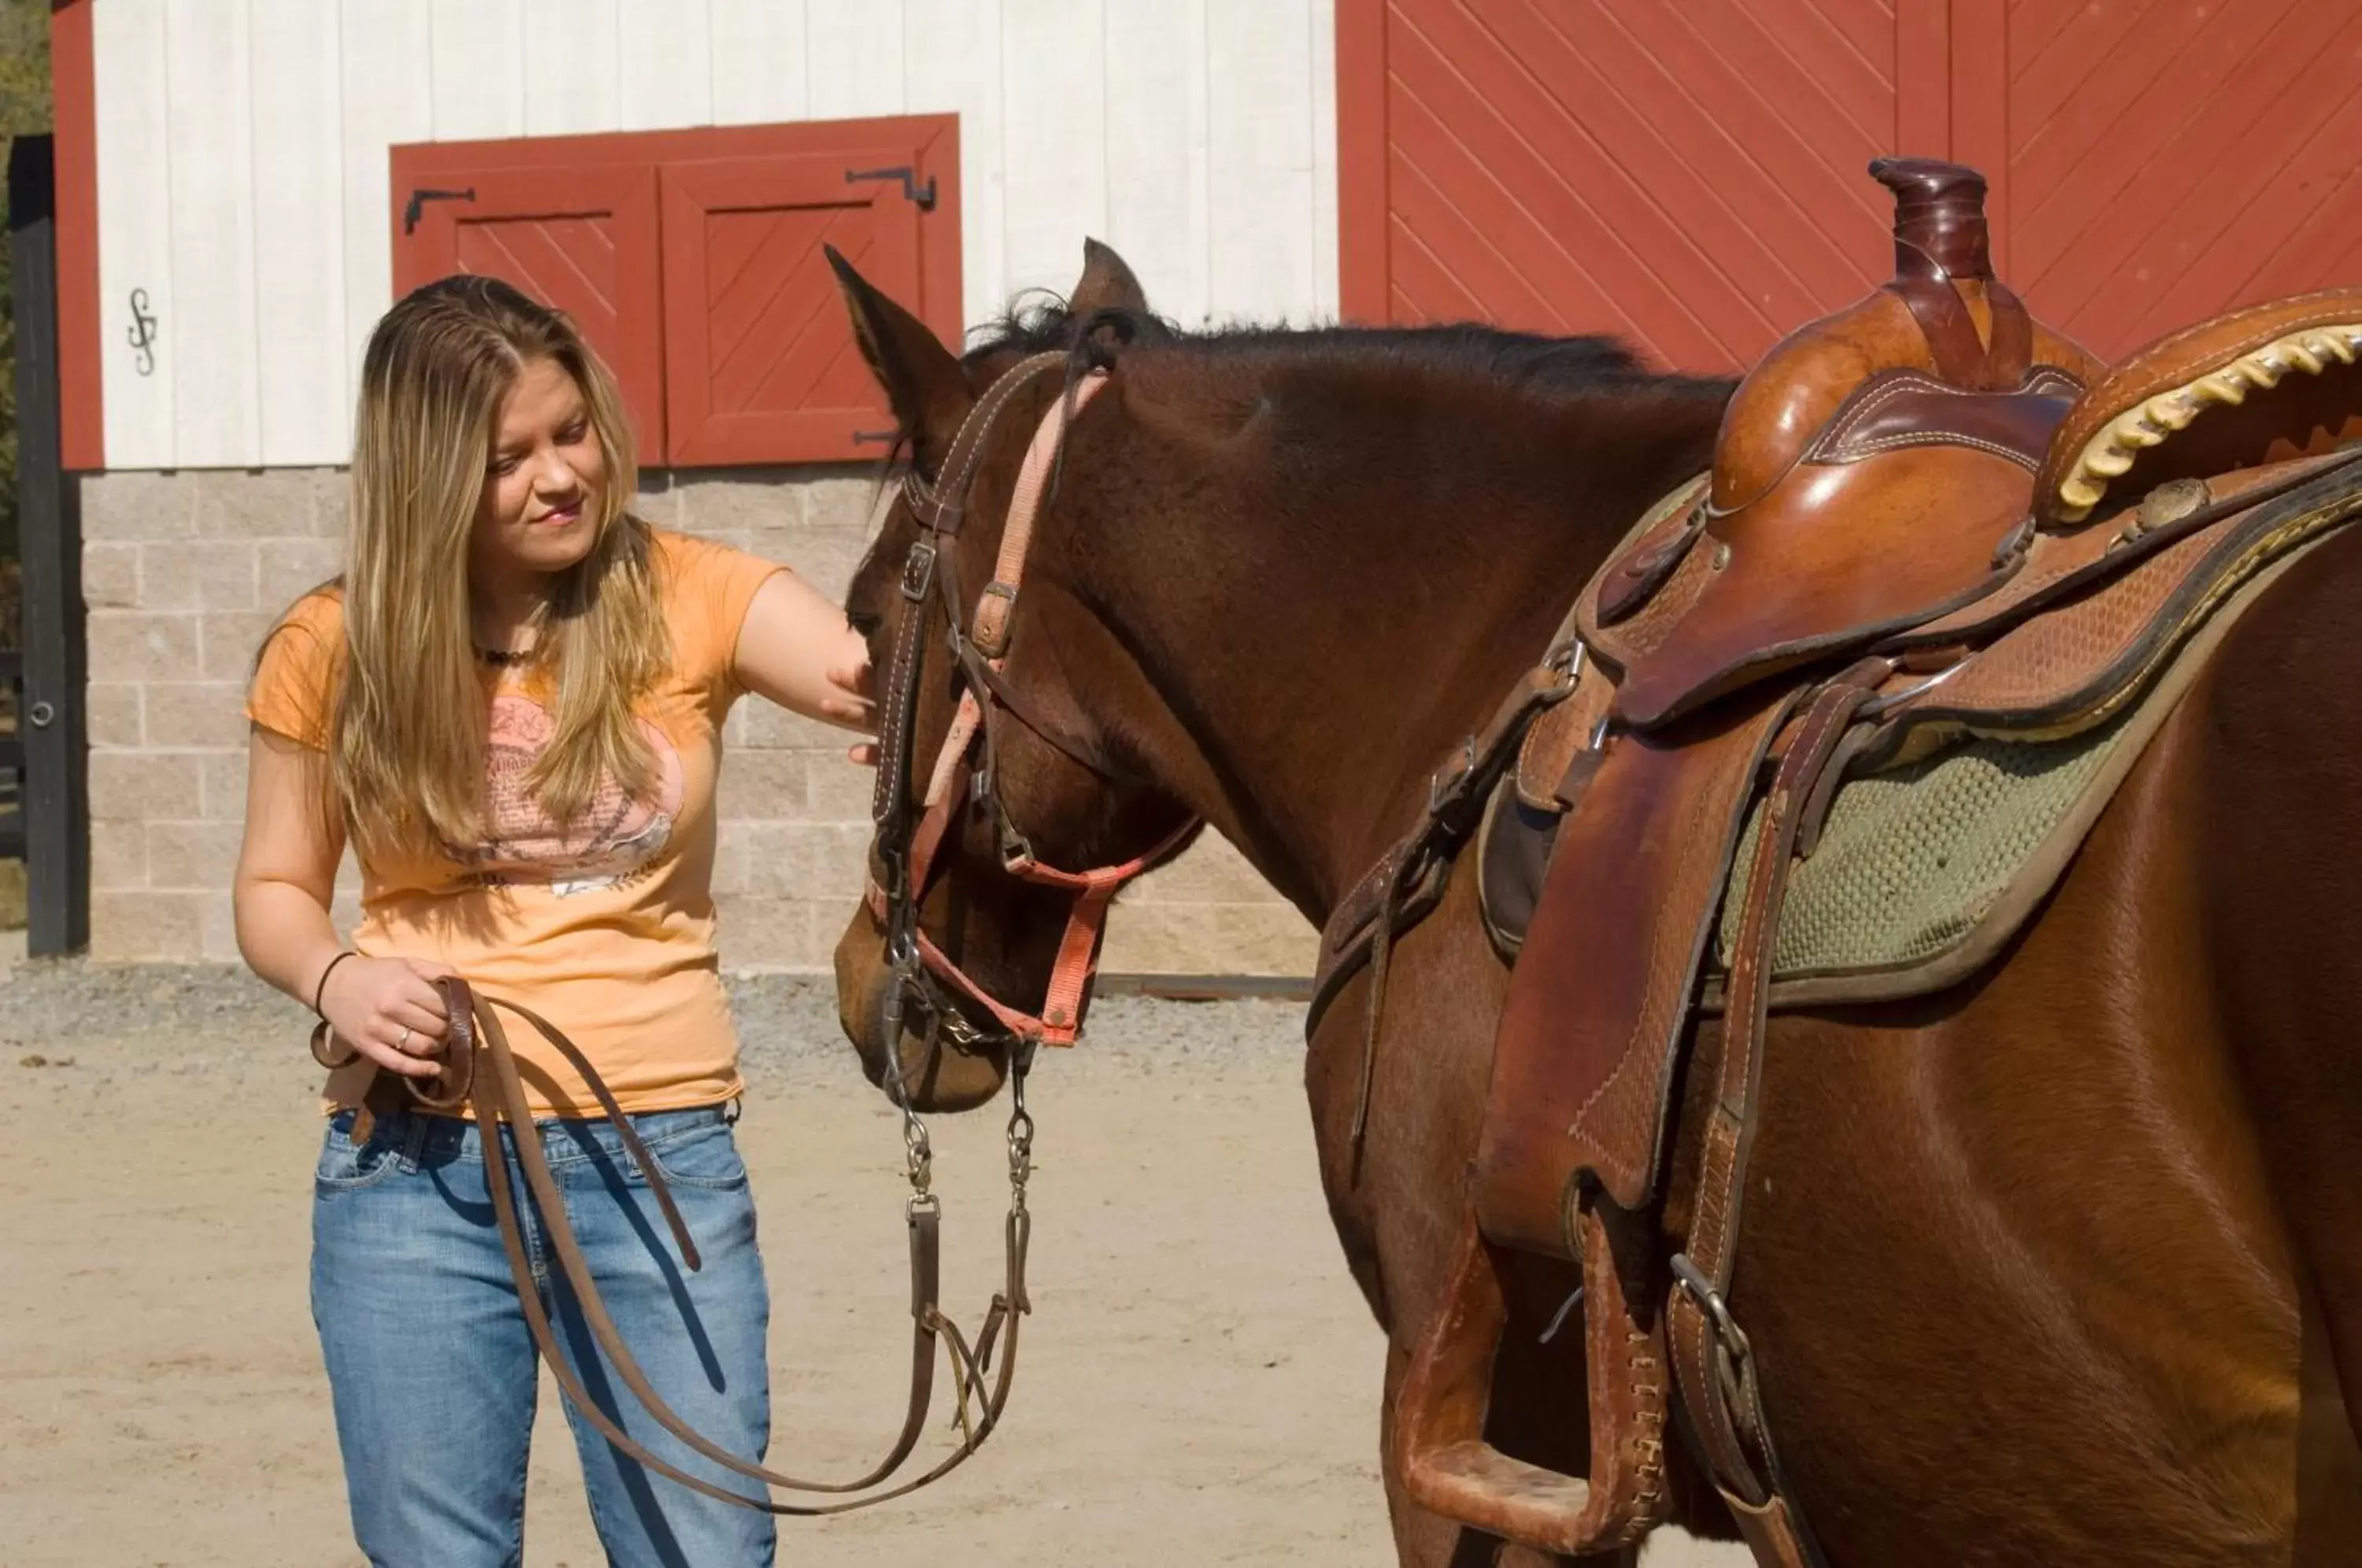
(2074, 233)
(1688, 178)
(2171, 159)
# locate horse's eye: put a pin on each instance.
(863, 623)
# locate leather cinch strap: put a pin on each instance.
(1714, 1365)
(480, 1071)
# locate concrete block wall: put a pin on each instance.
(183, 572)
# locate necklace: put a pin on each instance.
(505, 659)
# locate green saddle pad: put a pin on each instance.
(1910, 859)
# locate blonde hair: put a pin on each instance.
(406, 740)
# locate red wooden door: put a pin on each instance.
(1692, 177)
(580, 239)
(2168, 159)
(761, 360)
(1688, 177)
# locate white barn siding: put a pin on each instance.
(387, 87)
(1158, 202)
(481, 79)
(242, 160)
(665, 54)
(299, 230)
(754, 43)
(209, 94)
(950, 65)
(135, 233)
(852, 59)
(1053, 136)
(576, 81)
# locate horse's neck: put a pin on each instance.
(1341, 608)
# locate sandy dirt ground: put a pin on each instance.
(1200, 1378)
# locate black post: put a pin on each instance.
(48, 532)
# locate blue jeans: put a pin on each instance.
(434, 1371)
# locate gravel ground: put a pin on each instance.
(787, 1022)
(1201, 1376)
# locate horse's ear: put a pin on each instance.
(922, 379)
(1107, 285)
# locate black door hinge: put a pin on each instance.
(922, 194)
(416, 205)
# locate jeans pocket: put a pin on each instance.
(705, 1155)
(347, 1166)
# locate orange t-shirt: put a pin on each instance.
(606, 931)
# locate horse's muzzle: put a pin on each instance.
(942, 1069)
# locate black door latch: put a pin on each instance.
(412, 208)
(924, 195)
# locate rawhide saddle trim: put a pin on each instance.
(1909, 583)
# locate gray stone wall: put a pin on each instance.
(184, 572)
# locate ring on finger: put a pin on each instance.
(403, 1044)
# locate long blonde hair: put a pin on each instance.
(407, 737)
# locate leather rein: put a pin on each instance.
(480, 1074)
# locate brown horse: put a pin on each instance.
(2061, 1266)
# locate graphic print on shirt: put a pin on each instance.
(616, 837)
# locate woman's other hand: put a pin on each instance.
(389, 1011)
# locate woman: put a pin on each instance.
(510, 707)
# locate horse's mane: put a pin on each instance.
(1590, 363)
(1040, 322)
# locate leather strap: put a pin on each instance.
(1060, 1022)
(942, 503)
(1714, 1365)
(939, 509)
(1962, 357)
(989, 627)
(1408, 878)
(496, 1093)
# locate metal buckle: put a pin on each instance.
(990, 635)
(1449, 777)
(1016, 849)
(1878, 706)
(919, 571)
(1700, 1289)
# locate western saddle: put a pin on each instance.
(1929, 517)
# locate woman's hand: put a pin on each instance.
(389, 1011)
(857, 708)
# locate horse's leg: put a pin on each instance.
(2282, 900)
(1399, 1215)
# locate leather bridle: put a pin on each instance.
(912, 827)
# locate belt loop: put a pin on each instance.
(731, 1109)
(414, 1129)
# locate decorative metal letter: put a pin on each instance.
(142, 332)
